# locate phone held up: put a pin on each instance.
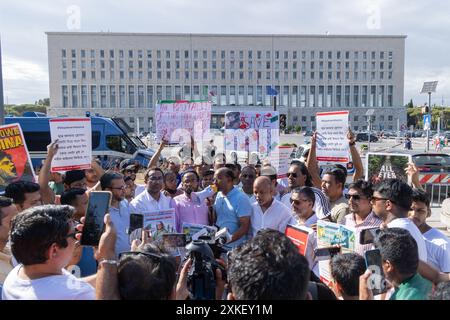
(377, 280)
(98, 206)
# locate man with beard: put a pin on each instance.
(188, 206)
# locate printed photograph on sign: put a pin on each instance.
(382, 166)
(15, 162)
(160, 222)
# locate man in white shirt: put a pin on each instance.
(268, 213)
(43, 242)
(391, 201)
(438, 245)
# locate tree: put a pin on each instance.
(410, 104)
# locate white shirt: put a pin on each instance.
(139, 189)
(407, 224)
(277, 197)
(312, 242)
(58, 287)
(438, 249)
(144, 202)
(321, 204)
(276, 217)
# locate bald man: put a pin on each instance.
(268, 213)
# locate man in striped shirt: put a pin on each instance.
(361, 216)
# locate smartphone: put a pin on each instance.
(98, 206)
(377, 281)
(326, 253)
(174, 239)
(136, 222)
(367, 236)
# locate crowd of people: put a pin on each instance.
(42, 222)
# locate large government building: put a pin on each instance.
(125, 74)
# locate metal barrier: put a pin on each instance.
(437, 192)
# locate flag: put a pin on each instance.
(271, 91)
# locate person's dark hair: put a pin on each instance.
(127, 178)
(227, 172)
(69, 196)
(441, 292)
(190, 171)
(339, 175)
(34, 230)
(108, 177)
(230, 166)
(74, 175)
(304, 171)
(346, 269)
(4, 203)
(17, 190)
(340, 166)
(208, 173)
(276, 269)
(419, 195)
(399, 247)
(238, 166)
(397, 191)
(307, 192)
(147, 173)
(365, 186)
(148, 274)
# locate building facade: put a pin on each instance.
(125, 74)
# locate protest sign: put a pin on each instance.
(15, 162)
(251, 131)
(299, 236)
(330, 234)
(159, 222)
(280, 159)
(381, 166)
(332, 143)
(178, 121)
(192, 230)
(74, 137)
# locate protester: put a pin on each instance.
(400, 261)
(271, 173)
(75, 179)
(56, 183)
(437, 244)
(235, 168)
(25, 194)
(268, 213)
(170, 185)
(298, 176)
(130, 188)
(232, 207)
(361, 215)
(346, 270)
(333, 184)
(207, 179)
(247, 178)
(276, 269)
(188, 207)
(7, 212)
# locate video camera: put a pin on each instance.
(202, 275)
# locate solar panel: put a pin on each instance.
(429, 87)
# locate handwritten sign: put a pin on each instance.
(280, 159)
(74, 143)
(252, 132)
(177, 121)
(15, 162)
(332, 143)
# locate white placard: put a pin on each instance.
(74, 143)
(332, 142)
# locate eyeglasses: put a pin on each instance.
(356, 197)
(147, 254)
(297, 202)
(248, 176)
(119, 188)
(378, 198)
(155, 178)
(293, 174)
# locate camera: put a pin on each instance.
(202, 275)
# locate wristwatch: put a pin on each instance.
(112, 262)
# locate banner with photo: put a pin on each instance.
(160, 222)
(15, 161)
(381, 166)
(249, 132)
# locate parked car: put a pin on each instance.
(363, 137)
(432, 162)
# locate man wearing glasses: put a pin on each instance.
(361, 215)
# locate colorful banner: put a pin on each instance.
(280, 159)
(177, 121)
(332, 142)
(251, 131)
(299, 236)
(330, 234)
(15, 161)
(192, 230)
(381, 166)
(74, 137)
(160, 222)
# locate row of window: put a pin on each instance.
(224, 54)
(230, 75)
(140, 96)
(232, 65)
(295, 119)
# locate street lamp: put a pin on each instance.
(429, 87)
(369, 114)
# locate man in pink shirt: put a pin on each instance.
(188, 207)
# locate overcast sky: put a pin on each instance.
(23, 24)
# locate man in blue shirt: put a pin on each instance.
(232, 207)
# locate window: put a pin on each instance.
(130, 54)
(250, 101)
(186, 54)
(364, 96)
(250, 54)
(122, 96)
(94, 96)
(140, 96)
(303, 96)
(112, 96)
(390, 96)
(65, 97)
(103, 96)
(222, 54)
(74, 53)
(329, 96)
(131, 100)
(205, 54)
(347, 96)
(312, 95)
(338, 96)
(390, 118)
(149, 96)
(373, 90)
(356, 96)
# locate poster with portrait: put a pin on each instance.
(382, 166)
(248, 132)
(160, 222)
(15, 161)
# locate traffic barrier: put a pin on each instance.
(437, 192)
